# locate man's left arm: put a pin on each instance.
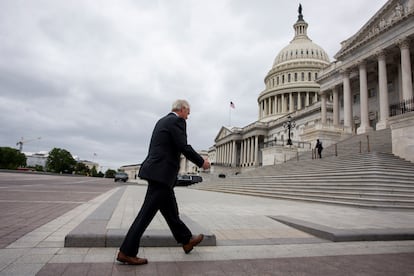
(180, 138)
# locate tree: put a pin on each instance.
(60, 161)
(82, 169)
(11, 158)
(94, 172)
(110, 173)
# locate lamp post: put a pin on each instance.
(289, 125)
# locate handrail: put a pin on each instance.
(402, 107)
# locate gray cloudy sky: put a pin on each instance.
(94, 76)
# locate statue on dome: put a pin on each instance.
(300, 16)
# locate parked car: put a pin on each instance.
(186, 179)
(121, 176)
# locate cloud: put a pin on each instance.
(95, 77)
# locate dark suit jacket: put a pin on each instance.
(168, 141)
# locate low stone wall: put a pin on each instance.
(402, 133)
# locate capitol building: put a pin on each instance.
(307, 97)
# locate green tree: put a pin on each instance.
(11, 158)
(100, 174)
(110, 173)
(94, 172)
(81, 169)
(60, 161)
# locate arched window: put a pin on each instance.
(289, 77)
(296, 76)
(309, 76)
(303, 76)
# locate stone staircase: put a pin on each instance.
(375, 179)
(376, 141)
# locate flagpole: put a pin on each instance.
(231, 106)
(229, 116)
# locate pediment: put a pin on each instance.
(389, 15)
(224, 132)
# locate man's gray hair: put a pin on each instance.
(178, 104)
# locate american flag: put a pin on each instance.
(232, 105)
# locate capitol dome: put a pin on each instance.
(301, 47)
(291, 83)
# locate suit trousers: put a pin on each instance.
(158, 197)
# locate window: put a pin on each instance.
(356, 98)
(289, 77)
(372, 93)
(390, 87)
(303, 76)
(283, 78)
(309, 76)
(296, 76)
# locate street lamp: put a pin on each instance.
(289, 125)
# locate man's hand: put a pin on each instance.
(206, 164)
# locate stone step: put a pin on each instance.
(375, 179)
(341, 200)
(370, 187)
(325, 192)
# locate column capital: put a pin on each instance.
(345, 72)
(403, 43)
(361, 63)
(381, 54)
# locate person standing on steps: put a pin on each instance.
(160, 168)
(319, 147)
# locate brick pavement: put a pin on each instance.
(29, 201)
(380, 264)
(249, 241)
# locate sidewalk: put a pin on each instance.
(249, 236)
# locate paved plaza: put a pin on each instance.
(250, 240)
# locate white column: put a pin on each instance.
(226, 156)
(363, 89)
(299, 101)
(323, 109)
(335, 106)
(251, 150)
(234, 153)
(256, 151)
(283, 104)
(242, 153)
(260, 110)
(307, 99)
(248, 151)
(347, 102)
(407, 85)
(269, 106)
(291, 107)
(383, 91)
(243, 160)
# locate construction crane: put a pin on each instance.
(22, 141)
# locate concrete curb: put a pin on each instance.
(346, 235)
(93, 232)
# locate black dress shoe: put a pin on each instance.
(130, 260)
(193, 242)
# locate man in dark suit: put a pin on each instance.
(160, 169)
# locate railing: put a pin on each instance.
(282, 142)
(402, 107)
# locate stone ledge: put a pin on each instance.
(93, 232)
(346, 235)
